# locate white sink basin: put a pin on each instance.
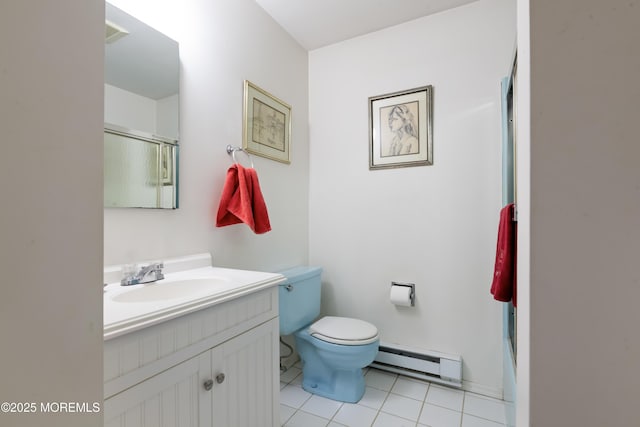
(190, 284)
(174, 289)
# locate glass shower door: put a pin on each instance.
(509, 195)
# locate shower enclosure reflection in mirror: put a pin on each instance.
(141, 92)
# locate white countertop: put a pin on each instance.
(130, 308)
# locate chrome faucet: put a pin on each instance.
(147, 274)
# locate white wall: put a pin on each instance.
(129, 110)
(168, 116)
(435, 226)
(585, 213)
(136, 112)
(222, 43)
(51, 56)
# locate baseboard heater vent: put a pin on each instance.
(431, 366)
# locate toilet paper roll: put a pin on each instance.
(401, 295)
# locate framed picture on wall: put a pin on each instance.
(401, 129)
(267, 124)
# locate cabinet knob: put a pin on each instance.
(208, 385)
(220, 378)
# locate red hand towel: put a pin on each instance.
(258, 205)
(242, 201)
(504, 285)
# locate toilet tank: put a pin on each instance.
(299, 298)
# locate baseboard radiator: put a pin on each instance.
(431, 366)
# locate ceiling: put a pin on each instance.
(318, 23)
(313, 23)
(144, 52)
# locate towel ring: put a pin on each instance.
(232, 150)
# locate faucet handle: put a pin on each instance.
(128, 281)
(154, 266)
(158, 270)
(129, 272)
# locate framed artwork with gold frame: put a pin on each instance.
(267, 124)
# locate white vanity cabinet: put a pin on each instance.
(213, 367)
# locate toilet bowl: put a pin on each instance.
(333, 349)
(333, 360)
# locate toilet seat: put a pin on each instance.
(344, 330)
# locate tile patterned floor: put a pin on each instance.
(390, 400)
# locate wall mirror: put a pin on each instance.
(141, 114)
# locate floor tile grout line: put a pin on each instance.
(390, 392)
(400, 416)
(464, 402)
(424, 402)
(383, 402)
(387, 394)
(385, 398)
(464, 397)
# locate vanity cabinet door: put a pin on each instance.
(170, 399)
(246, 385)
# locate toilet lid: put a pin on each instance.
(344, 330)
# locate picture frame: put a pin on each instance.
(401, 129)
(266, 124)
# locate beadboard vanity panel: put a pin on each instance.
(132, 357)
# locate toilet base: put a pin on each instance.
(334, 371)
(345, 386)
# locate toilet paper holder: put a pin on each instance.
(412, 294)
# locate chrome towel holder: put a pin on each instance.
(231, 150)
